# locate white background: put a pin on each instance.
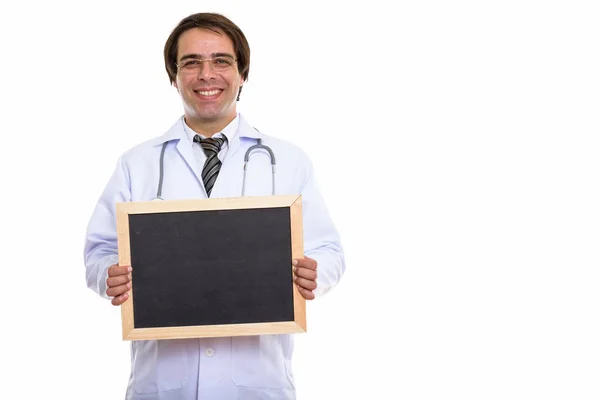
(471, 238)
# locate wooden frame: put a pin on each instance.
(124, 210)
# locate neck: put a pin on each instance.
(207, 127)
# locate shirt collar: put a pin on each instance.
(238, 128)
(228, 132)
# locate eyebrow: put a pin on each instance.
(198, 56)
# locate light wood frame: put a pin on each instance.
(294, 202)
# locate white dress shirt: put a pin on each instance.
(228, 132)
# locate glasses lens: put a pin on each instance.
(221, 63)
(190, 64)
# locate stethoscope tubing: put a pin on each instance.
(257, 146)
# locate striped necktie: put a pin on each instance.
(212, 165)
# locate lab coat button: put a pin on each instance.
(210, 351)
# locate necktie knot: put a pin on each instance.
(211, 146)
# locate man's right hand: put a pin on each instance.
(118, 283)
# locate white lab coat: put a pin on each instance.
(252, 367)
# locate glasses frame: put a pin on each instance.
(180, 66)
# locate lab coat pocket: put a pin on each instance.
(261, 361)
(159, 365)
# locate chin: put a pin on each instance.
(214, 114)
(208, 115)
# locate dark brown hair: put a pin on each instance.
(213, 22)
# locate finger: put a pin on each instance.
(117, 301)
(118, 290)
(306, 284)
(115, 270)
(307, 294)
(118, 280)
(305, 262)
(306, 273)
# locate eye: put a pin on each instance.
(222, 61)
(191, 63)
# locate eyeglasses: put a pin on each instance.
(216, 63)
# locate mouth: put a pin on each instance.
(208, 94)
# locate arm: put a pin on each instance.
(321, 239)
(100, 250)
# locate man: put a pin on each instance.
(207, 59)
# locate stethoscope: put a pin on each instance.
(257, 146)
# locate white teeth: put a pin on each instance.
(211, 93)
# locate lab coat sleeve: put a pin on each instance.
(100, 250)
(321, 239)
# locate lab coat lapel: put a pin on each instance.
(184, 147)
(185, 150)
(229, 182)
(244, 131)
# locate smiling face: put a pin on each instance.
(208, 91)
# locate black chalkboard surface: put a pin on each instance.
(211, 267)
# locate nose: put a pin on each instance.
(206, 71)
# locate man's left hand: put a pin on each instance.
(305, 276)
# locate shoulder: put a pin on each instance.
(284, 150)
(290, 158)
(285, 146)
(152, 146)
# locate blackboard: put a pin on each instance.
(211, 267)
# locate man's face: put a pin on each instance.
(208, 89)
